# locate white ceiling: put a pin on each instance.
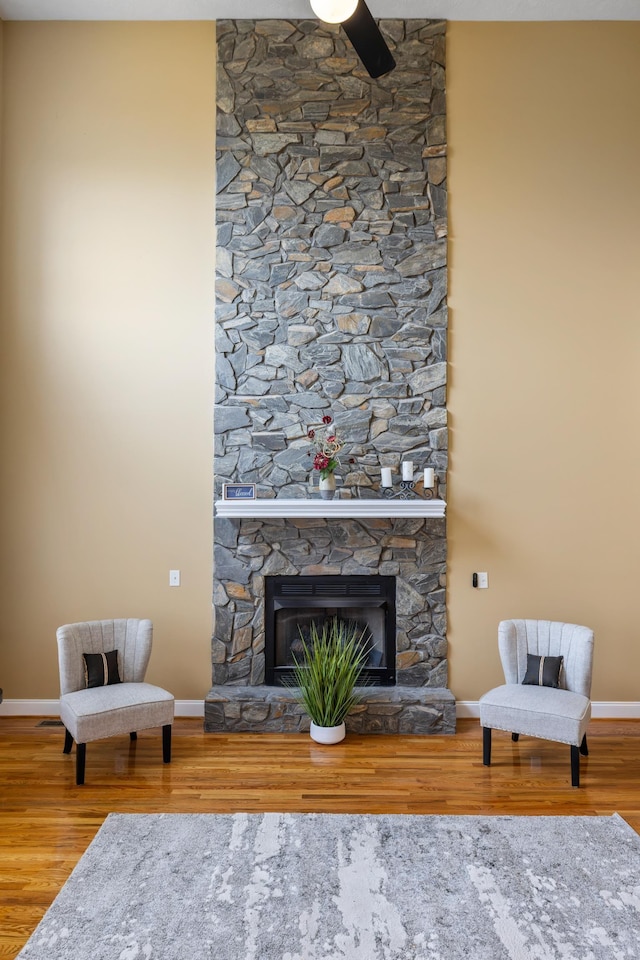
(299, 9)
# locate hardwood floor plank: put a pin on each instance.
(46, 822)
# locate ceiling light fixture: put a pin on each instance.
(333, 11)
(362, 30)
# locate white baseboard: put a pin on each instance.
(190, 708)
(29, 708)
(600, 710)
(50, 708)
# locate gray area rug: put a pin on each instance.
(327, 887)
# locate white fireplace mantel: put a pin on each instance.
(280, 507)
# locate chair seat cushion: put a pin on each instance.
(100, 712)
(545, 712)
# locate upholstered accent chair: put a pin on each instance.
(122, 702)
(559, 713)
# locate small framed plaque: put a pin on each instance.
(239, 491)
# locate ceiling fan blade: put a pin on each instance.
(368, 42)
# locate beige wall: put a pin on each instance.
(107, 307)
(544, 135)
(1, 76)
(106, 355)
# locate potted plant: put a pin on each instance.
(331, 665)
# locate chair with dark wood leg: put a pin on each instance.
(102, 688)
(548, 668)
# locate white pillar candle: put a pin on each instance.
(385, 477)
(407, 470)
(429, 477)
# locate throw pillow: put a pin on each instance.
(543, 671)
(101, 669)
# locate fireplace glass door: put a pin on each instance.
(294, 604)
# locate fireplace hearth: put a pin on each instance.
(292, 604)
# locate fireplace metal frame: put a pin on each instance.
(287, 592)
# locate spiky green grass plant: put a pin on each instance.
(331, 666)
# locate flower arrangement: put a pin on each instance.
(327, 446)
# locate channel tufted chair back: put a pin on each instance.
(131, 638)
(114, 708)
(547, 638)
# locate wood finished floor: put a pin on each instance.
(46, 822)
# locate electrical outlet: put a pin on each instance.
(483, 581)
(174, 578)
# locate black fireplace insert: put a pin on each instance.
(292, 604)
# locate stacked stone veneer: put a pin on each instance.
(331, 299)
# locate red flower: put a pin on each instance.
(311, 434)
(320, 461)
(327, 418)
(331, 439)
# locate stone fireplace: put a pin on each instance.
(331, 300)
(412, 550)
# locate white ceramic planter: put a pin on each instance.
(327, 734)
